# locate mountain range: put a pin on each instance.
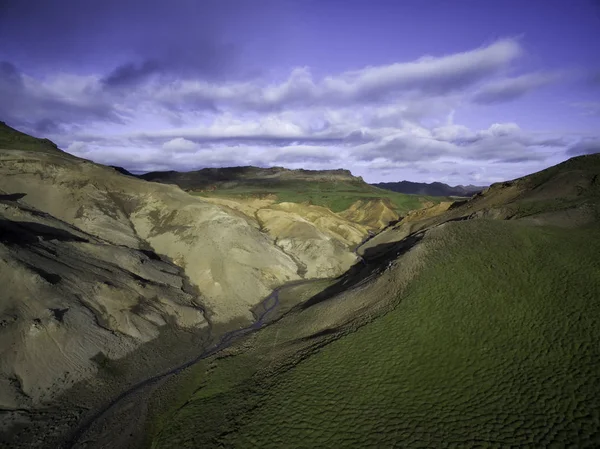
(433, 188)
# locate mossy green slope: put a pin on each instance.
(12, 139)
(494, 345)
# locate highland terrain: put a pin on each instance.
(252, 307)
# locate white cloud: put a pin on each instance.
(428, 75)
(78, 147)
(379, 119)
(179, 144)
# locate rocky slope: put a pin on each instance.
(374, 214)
(100, 261)
(74, 299)
(130, 212)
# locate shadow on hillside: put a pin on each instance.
(12, 196)
(374, 261)
(25, 233)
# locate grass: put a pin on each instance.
(15, 140)
(336, 196)
(494, 345)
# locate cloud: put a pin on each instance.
(434, 76)
(138, 35)
(304, 153)
(501, 142)
(179, 144)
(395, 118)
(130, 73)
(78, 148)
(512, 88)
(584, 146)
(411, 90)
(46, 105)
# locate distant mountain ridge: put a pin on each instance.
(246, 175)
(432, 189)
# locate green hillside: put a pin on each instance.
(477, 329)
(12, 139)
(494, 345)
(337, 196)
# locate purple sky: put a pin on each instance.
(459, 91)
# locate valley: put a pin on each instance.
(198, 309)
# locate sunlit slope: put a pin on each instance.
(123, 210)
(71, 301)
(337, 190)
(495, 343)
(565, 195)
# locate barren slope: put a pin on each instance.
(137, 214)
(74, 298)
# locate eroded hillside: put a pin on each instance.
(72, 299)
(107, 269)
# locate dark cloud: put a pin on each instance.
(512, 88)
(404, 149)
(519, 159)
(10, 81)
(47, 126)
(301, 155)
(37, 109)
(10, 75)
(130, 73)
(585, 146)
(145, 36)
(358, 136)
(265, 140)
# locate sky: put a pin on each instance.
(457, 91)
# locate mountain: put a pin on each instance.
(301, 314)
(337, 190)
(10, 138)
(229, 177)
(433, 189)
(471, 324)
(121, 269)
(106, 267)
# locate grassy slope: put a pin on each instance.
(586, 165)
(337, 196)
(15, 140)
(495, 345)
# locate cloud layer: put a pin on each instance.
(386, 120)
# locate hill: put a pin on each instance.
(248, 176)
(140, 315)
(471, 326)
(432, 189)
(336, 190)
(115, 279)
(10, 138)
